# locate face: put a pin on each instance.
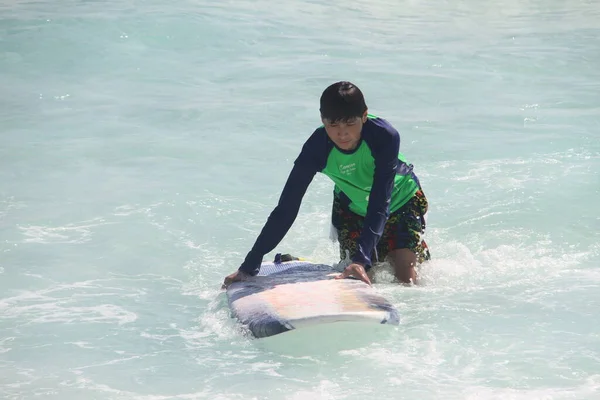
(345, 135)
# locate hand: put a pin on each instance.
(237, 276)
(356, 271)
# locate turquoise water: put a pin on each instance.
(145, 143)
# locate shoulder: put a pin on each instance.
(380, 134)
(317, 138)
(315, 150)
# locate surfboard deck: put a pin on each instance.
(293, 295)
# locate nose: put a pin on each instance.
(342, 132)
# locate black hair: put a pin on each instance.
(342, 101)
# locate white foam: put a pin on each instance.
(70, 233)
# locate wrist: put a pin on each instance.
(364, 265)
(356, 265)
(362, 262)
(243, 271)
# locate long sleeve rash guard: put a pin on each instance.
(373, 180)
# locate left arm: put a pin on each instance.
(385, 151)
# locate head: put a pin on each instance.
(343, 112)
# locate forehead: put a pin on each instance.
(345, 120)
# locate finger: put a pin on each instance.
(226, 283)
(343, 275)
(365, 278)
(362, 275)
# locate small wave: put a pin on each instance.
(71, 233)
(41, 307)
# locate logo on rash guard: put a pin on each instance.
(347, 169)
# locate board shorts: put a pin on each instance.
(403, 229)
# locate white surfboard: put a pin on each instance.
(295, 294)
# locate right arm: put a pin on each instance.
(312, 159)
(281, 218)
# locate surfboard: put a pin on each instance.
(292, 295)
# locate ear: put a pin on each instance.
(364, 117)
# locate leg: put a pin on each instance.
(348, 226)
(406, 249)
(404, 261)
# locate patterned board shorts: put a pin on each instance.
(402, 230)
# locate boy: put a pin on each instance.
(378, 204)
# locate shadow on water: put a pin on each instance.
(324, 339)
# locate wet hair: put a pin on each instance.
(341, 102)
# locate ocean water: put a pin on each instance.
(143, 145)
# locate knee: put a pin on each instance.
(403, 259)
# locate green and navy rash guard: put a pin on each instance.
(371, 180)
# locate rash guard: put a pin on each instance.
(372, 180)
